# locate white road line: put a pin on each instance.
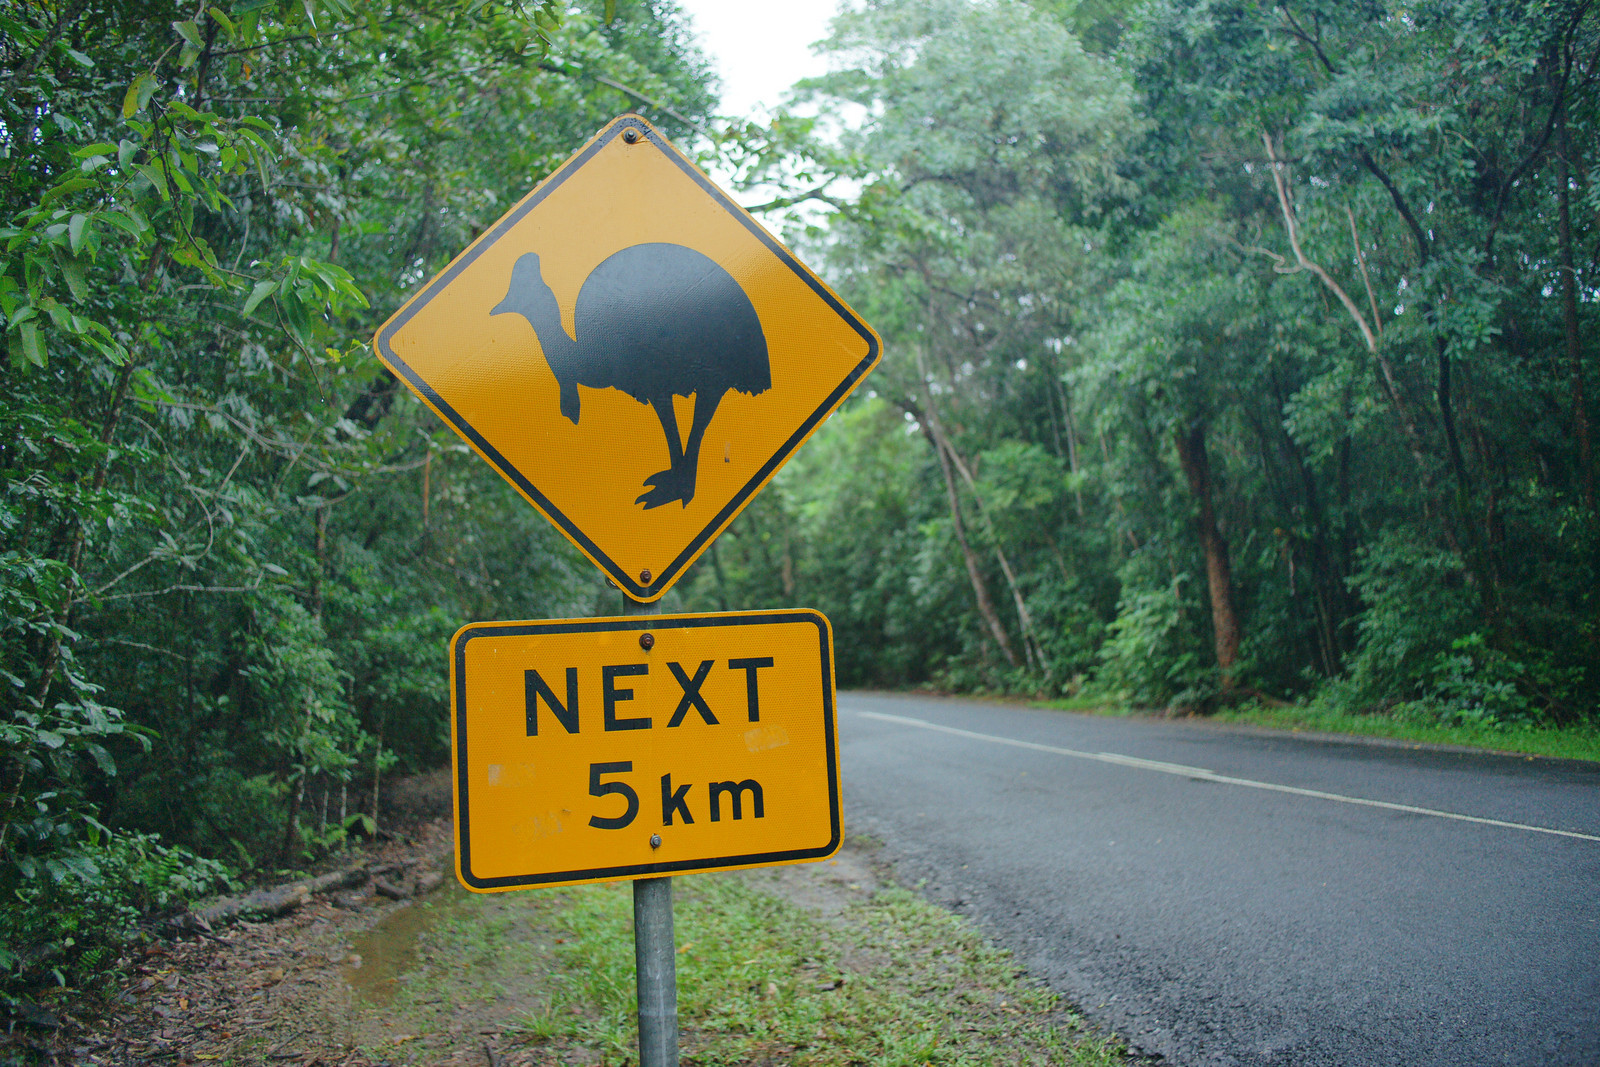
(1204, 775)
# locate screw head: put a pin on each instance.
(644, 577)
(647, 641)
(631, 135)
(655, 840)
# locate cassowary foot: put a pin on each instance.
(667, 486)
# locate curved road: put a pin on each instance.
(1229, 897)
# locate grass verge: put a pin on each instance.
(1401, 724)
(882, 979)
(1572, 742)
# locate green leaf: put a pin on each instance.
(223, 20)
(102, 758)
(76, 228)
(75, 271)
(126, 150)
(261, 291)
(122, 222)
(190, 32)
(292, 314)
(71, 185)
(33, 344)
(158, 179)
(98, 148)
(180, 178)
(138, 95)
(197, 253)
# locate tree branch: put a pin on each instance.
(1361, 260)
(1300, 256)
(800, 198)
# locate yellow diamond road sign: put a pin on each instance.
(596, 749)
(632, 351)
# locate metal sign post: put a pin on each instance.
(655, 957)
(655, 954)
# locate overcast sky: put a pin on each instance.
(760, 48)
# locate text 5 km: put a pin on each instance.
(674, 802)
(612, 694)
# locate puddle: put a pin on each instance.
(388, 951)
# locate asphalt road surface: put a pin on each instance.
(1220, 896)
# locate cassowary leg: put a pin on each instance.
(678, 483)
(705, 406)
(666, 486)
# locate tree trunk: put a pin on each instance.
(291, 823)
(980, 588)
(932, 427)
(377, 774)
(1219, 573)
(1030, 642)
(1569, 317)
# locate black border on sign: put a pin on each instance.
(628, 582)
(458, 652)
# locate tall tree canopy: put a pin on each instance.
(1250, 346)
(231, 548)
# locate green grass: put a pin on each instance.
(887, 979)
(1402, 724)
(1573, 742)
(894, 981)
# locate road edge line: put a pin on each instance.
(1201, 774)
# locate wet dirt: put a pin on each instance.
(240, 994)
(382, 955)
(356, 980)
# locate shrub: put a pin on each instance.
(1153, 654)
(70, 913)
(1477, 684)
(1417, 603)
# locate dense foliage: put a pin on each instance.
(231, 549)
(1232, 351)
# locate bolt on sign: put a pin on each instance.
(590, 750)
(632, 351)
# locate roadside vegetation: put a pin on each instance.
(821, 965)
(886, 978)
(1418, 723)
(1235, 355)
(1422, 724)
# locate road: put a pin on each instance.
(1221, 896)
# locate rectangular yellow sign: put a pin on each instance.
(591, 750)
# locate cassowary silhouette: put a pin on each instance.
(655, 321)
